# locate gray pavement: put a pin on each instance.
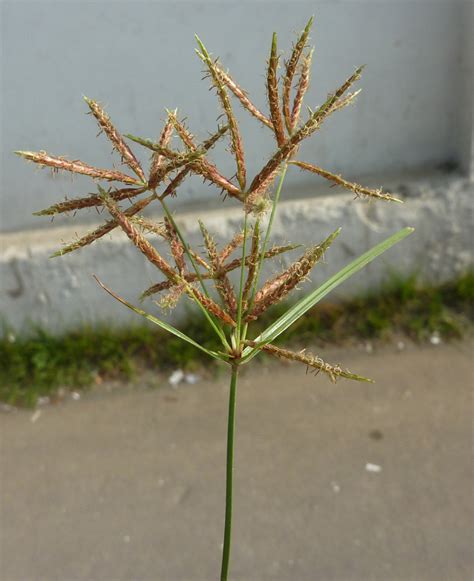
(351, 482)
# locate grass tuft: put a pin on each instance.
(39, 365)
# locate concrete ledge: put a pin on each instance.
(60, 294)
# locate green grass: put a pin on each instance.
(38, 365)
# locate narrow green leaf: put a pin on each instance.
(160, 323)
(300, 308)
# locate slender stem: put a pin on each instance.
(267, 234)
(229, 474)
(241, 287)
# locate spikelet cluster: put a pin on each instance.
(177, 155)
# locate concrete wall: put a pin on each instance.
(412, 123)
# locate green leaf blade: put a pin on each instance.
(307, 302)
(160, 323)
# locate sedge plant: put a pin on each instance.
(203, 275)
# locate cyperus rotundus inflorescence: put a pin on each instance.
(203, 276)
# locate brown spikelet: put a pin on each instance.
(212, 307)
(176, 246)
(312, 361)
(221, 280)
(110, 225)
(313, 123)
(181, 176)
(338, 180)
(117, 140)
(170, 300)
(278, 287)
(303, 84)
(236, 139)
(272, 93)
(242, 97)
(147, 226)
(275, 251)
(233, 265)
(185, 135)
(210, 172)
(77, 166)
(89, 201)
(157, 158)
(291, 66)
(257, 200)
(138, 239)
(236, 241)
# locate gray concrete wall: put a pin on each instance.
(412, 122)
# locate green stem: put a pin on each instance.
(241, 287)
(265, 241)
(229, 474)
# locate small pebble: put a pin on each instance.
(35, 416)
(176, 377)
(435, 339)
(373, 467)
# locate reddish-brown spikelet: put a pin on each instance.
(206, 145)
(158, 159)
(278, 287)
(303, 84)
(272, 93)
(91, 237)
(338, 180)
(210, 172)
(233, 265)
(212, 307)
(170, 300)
(77, 166)
(185, 135)
(313, 123)
(236, 241)
(290, 67)
(176, 246)
(89, 201)
(236, 139)
(312, 361)
(242, 97)
(221, 280)
(275, 251)
(139, 240)
(117, 140)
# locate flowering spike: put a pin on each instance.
(138, 239)
(157, 159)
(89, 201)
(302, 87)
(290, 67)
(242, 97)
(117, 140)
(77, 166)
(338, 180)
(278, 287)
(272, 93)
(110, 225)
(313, 361)
(236, 139)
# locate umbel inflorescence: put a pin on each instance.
(188, 271)
(203, 277)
